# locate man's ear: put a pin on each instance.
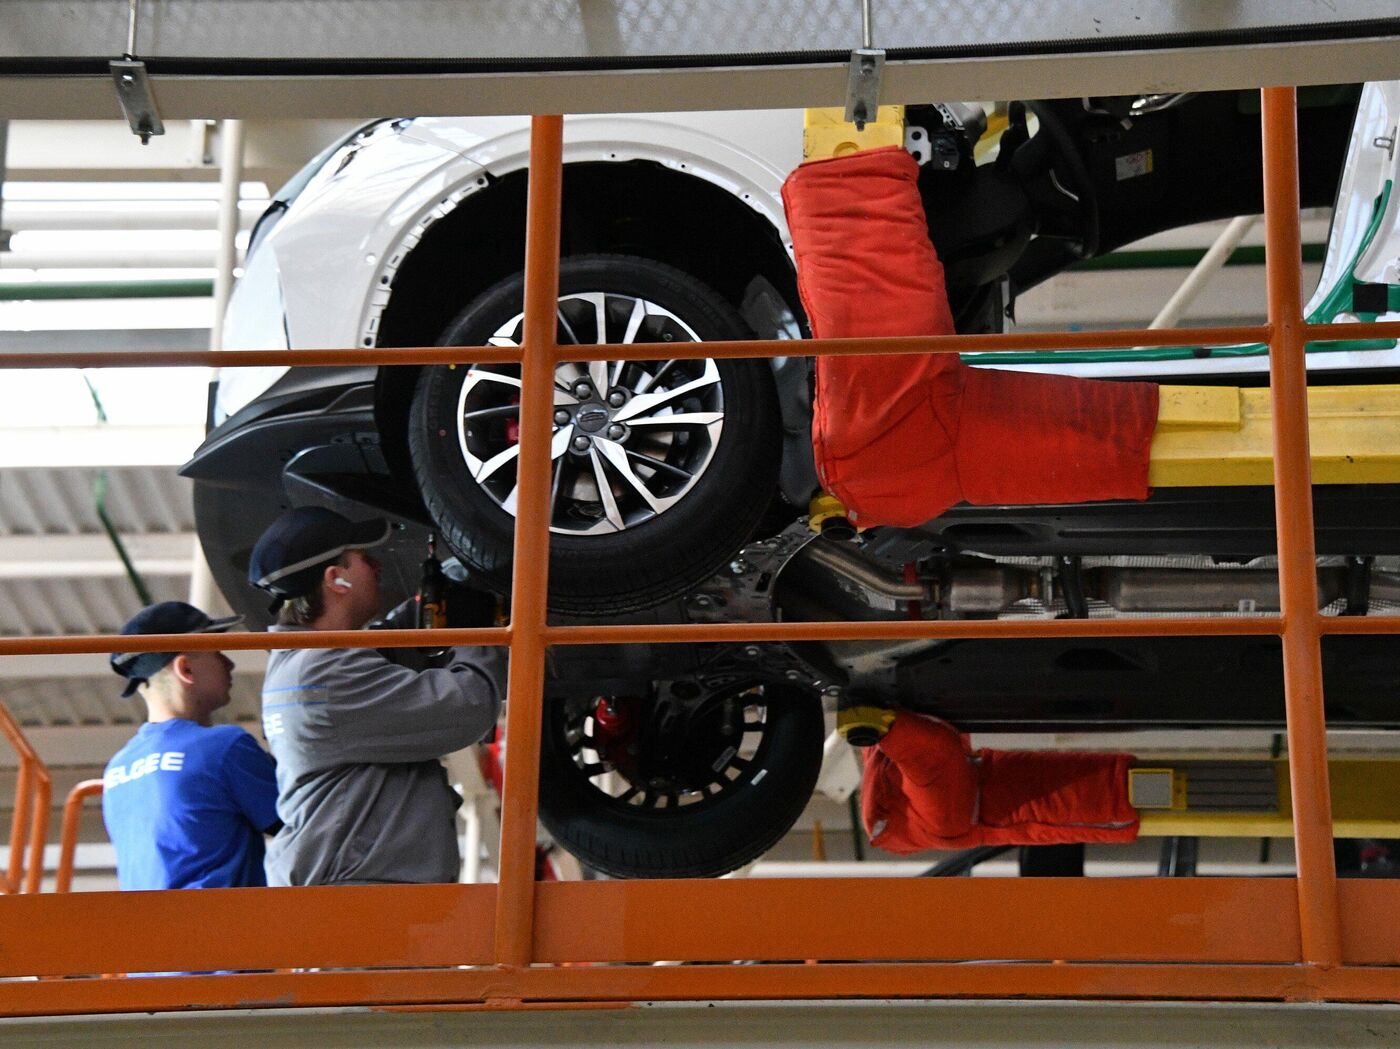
(180, 667)
(331, 573)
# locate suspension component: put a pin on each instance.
(828, 516)
(860, 719)
(432, 590)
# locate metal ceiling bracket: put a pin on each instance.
(863, 77)
(4, 154)
(134, 92)
(863, 85)
(137, 101)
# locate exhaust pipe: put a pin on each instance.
(975, 590)
(1194, 590)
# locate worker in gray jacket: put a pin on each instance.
(362, 795)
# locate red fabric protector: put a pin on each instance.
(899, 439)
(925, 788)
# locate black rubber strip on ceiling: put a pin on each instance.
(1313, 32)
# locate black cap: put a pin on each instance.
(168, 617)
(287, 561)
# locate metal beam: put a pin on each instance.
(196, 34)
(105, 150)
(423, 56)
(56, 557)
(111, 257)
(345, 96)
(692, 1025)
(51, 668)
(25, 216)
(129, 339)
(31, 447)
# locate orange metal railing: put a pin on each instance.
(1293, 510)
(1305, 938)
(29, 820)
(68, 835)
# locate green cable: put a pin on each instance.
(99, 492)
(1338, 300)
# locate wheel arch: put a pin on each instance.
(634, 207)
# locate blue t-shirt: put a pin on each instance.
(186, 806)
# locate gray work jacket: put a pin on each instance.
(361, 793)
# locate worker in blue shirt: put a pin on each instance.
(186, 803)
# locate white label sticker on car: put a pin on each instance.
(1134, 165)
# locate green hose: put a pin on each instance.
(99, 492)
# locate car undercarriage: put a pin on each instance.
(680, 493)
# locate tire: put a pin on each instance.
(623, 549)
(705, 838)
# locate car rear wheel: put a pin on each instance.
(662, 468)
(666, 786)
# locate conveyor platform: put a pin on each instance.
(1227, 798)
(1215, 436)
(756, 1025)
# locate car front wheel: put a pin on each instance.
(661, 468)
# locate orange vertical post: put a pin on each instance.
(1302, 652)
(19, 825)
(39, 828)
(29, 822)
(515, 899)
(68, 835)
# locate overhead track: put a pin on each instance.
(423, 57)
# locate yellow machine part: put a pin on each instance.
(826, 132)
(824, 507)
(873, 720)
(1365, 804)
(1213, 436)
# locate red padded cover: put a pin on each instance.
(925, 788)
(899, 439)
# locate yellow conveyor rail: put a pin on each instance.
(1248, 798)
(1224, 436)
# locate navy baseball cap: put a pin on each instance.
(287, 561)
(168, 617)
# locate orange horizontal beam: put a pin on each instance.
(690, 633)
(251, 640)
(1352, 330)
(997, 342)
(343, 926)
(452, 988)
(989, 343)
(1359, 624)
(1235, 920)
(865, 631)
(263, 358)
(939, 919)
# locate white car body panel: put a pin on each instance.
(339, 244)
(1372, 163)
(328, 264)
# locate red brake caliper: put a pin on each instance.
(616, 722)
(513, 425)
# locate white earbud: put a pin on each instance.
(344, 584)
